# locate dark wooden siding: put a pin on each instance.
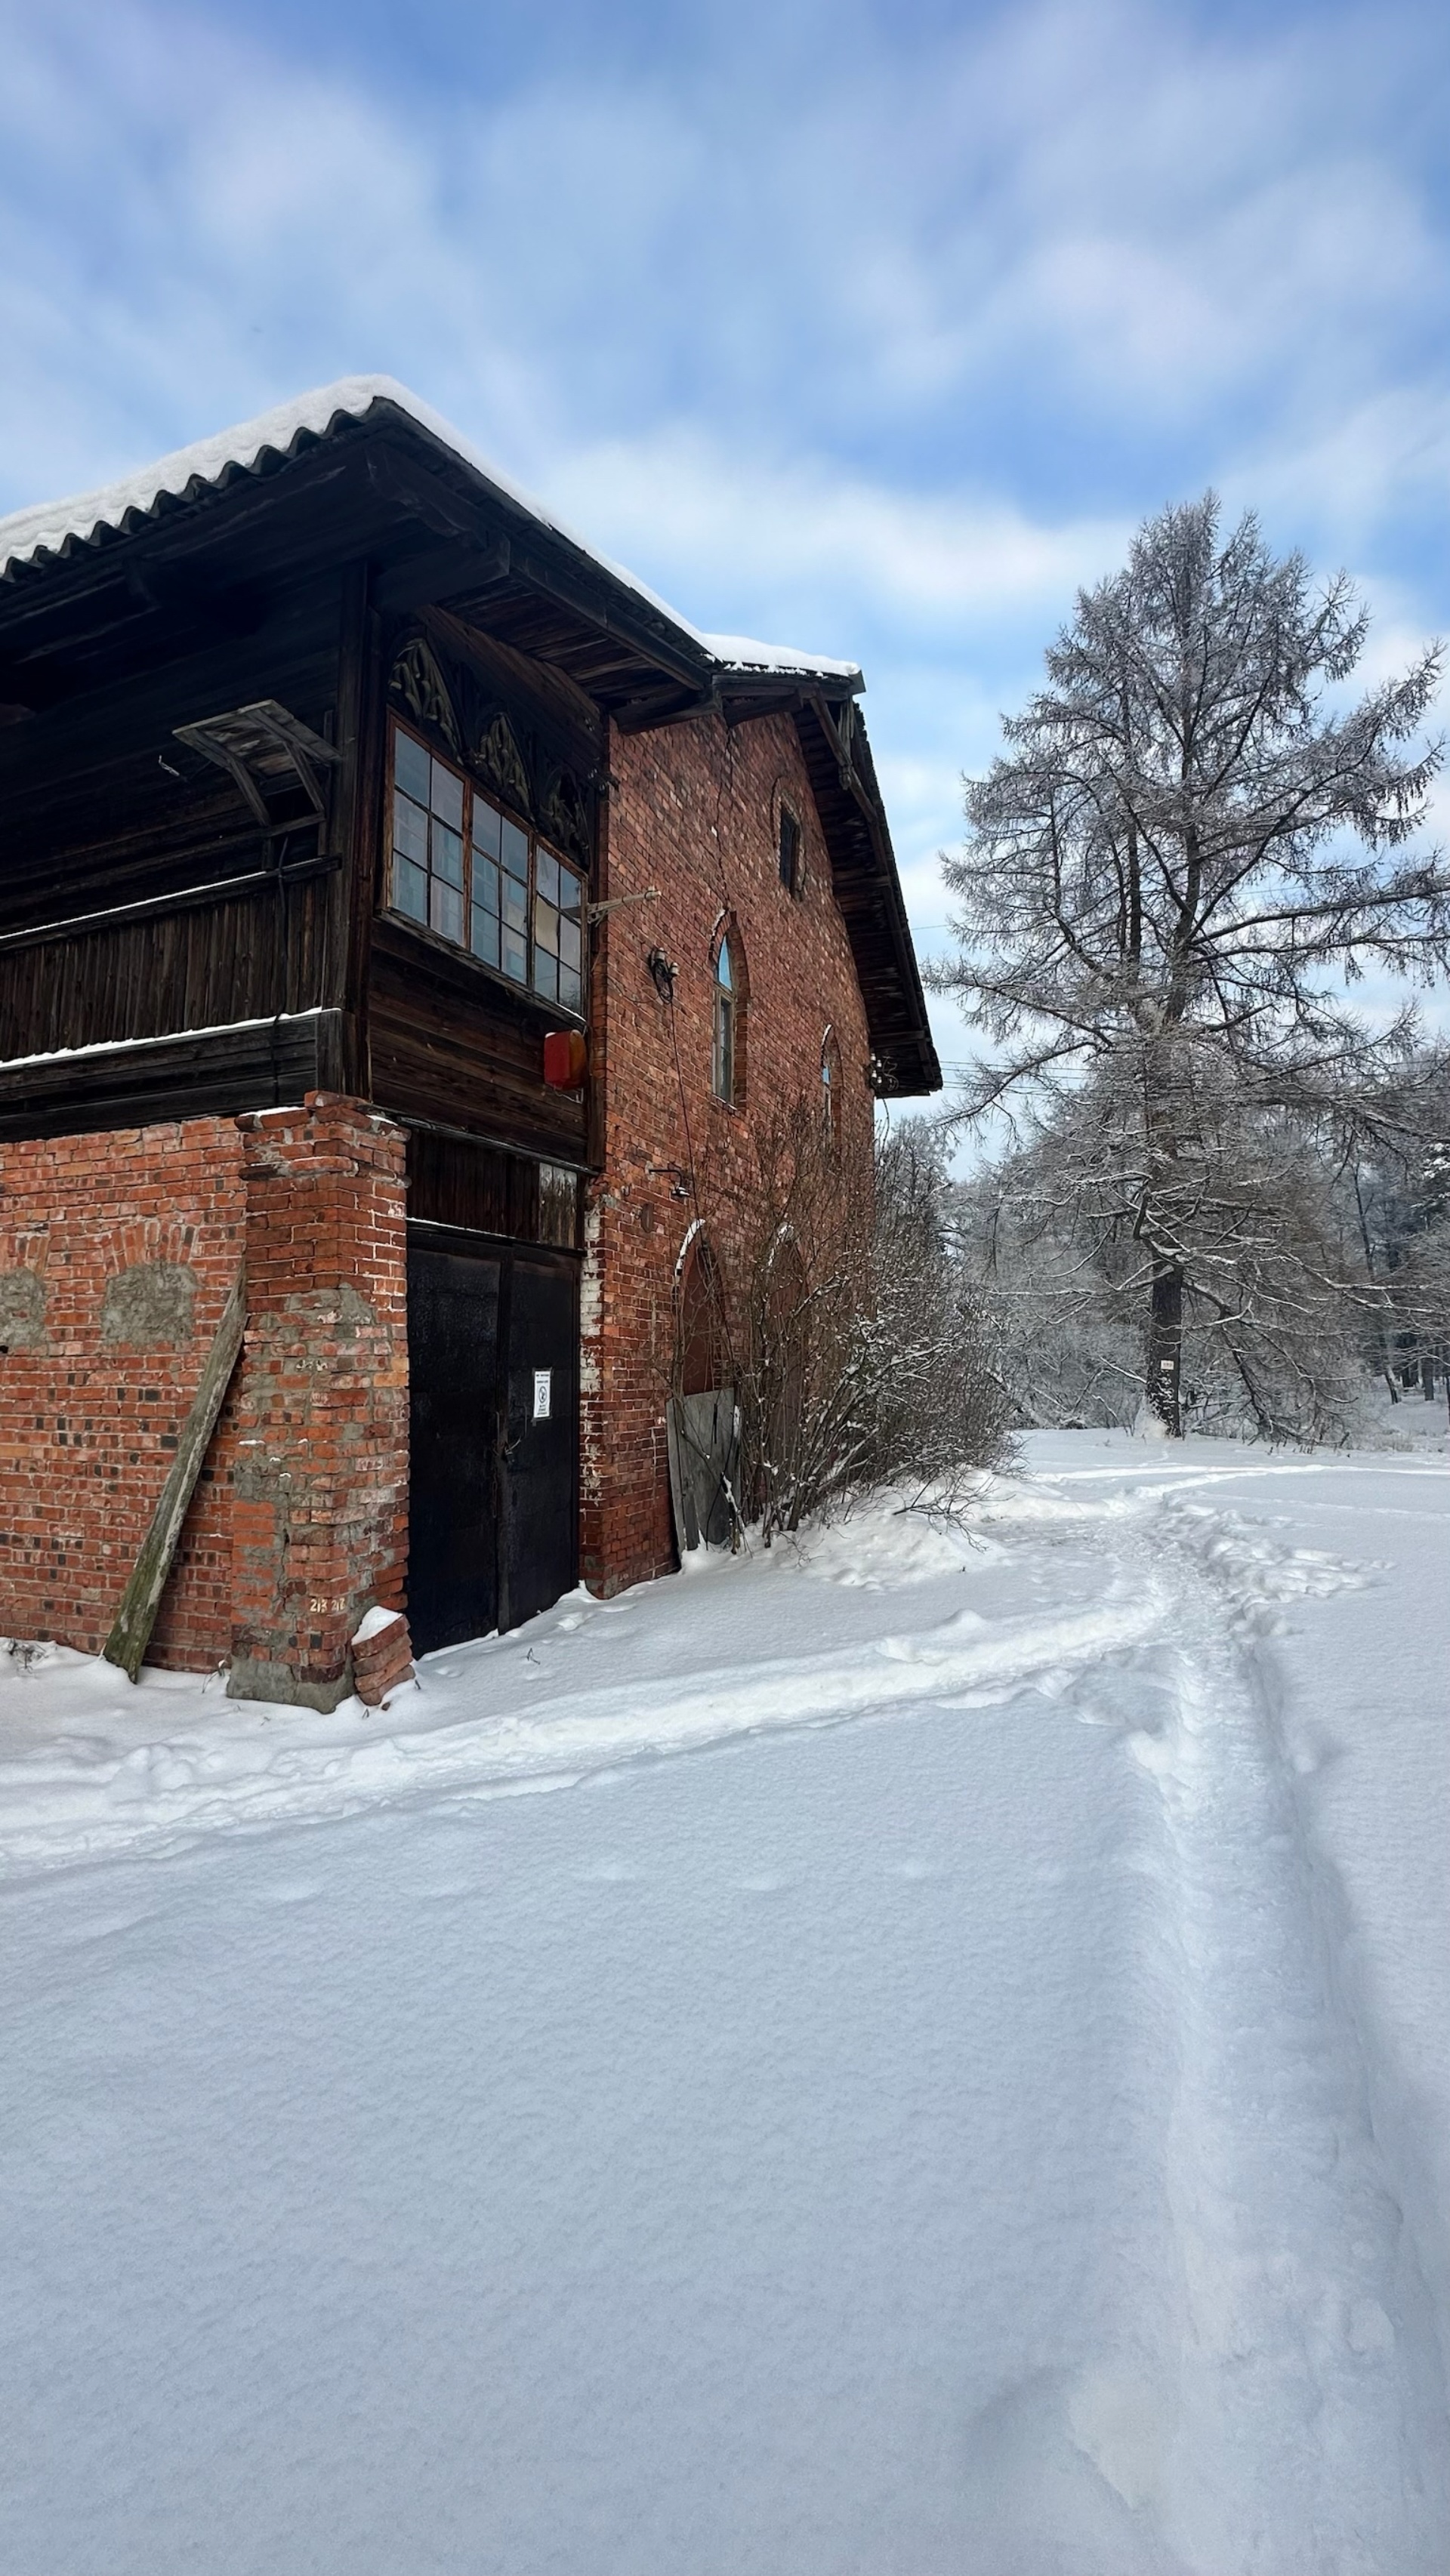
(139, 896)
(141, 903)
(469, 1188)
(260, 954)
(261, 1065)
(453, 1044)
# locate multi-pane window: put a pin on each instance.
(722, 1070)
(477, 877)
(558, 928)
(428, 801)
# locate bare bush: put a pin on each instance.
(853, 1338)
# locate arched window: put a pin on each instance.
(725, 1053)
(830, 1089)
(789, 853)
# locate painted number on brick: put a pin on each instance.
(543, 1394)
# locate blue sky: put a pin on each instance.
(873, 328)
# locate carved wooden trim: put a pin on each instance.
(420, 684)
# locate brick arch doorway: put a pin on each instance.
(704, 1447)
(703, 1356)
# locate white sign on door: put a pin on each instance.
(543, 1394)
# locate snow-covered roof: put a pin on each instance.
(779, 661)
(48, 529)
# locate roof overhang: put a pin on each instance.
(180, 552)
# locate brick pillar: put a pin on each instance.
(320, 1497)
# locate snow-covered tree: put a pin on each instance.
(1193, 842)
(1402, 1200)
(1279, 1310)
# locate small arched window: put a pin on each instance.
(788, 852)
(722, 1068)
(831, 1089)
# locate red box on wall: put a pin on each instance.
(566, 1059)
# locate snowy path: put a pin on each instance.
(986, 2108)
(1264, 2391)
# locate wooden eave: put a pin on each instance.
(868, 892)
(222, 558)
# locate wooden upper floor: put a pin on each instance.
(304, 775)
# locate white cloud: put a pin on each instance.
(875, 331)
(811, 531)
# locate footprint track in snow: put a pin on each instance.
(1288, 2344)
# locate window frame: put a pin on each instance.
(542, 909)
(723, 1025)
(788, 820)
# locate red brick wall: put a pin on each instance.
(117, 1251)
(116, 1255)
(695, 815)
(320, 1423)
(89, 1421)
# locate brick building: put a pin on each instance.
(402, 914)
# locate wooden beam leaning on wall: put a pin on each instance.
(131, 1632)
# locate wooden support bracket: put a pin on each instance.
(131, 1633)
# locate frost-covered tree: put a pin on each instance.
(1279, 1312)
(1401, 1194)
(1193, 842)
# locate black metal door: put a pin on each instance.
(453, 1362)
(541, 1444)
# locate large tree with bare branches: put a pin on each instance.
(1194, 842)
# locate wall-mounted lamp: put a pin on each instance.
(663, 973)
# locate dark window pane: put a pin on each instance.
(790, 850)
(568, 988)
(546, 874)
(485, 882)
(722, 966)
(410, 890)
(516, 905)
(410, 829)
(515, 850)
(485, 936)
(446, 910)
(570, 943)
(487, 824)
(410, 766)
(723, 1070)
(447, 855)
(447, 796)
(571, 891)
(515, 960)
(558, 1204)
(546, 975)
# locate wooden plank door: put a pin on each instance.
(541, 1442)
(454, 1302)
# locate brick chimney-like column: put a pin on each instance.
(321, 1486)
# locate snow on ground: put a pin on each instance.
(960, 2081)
